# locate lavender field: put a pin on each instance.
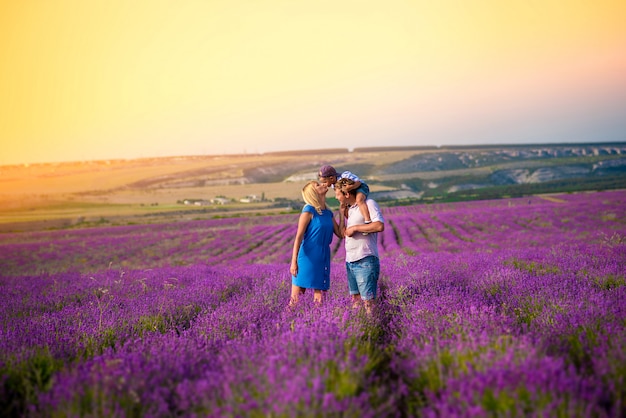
(513, 307)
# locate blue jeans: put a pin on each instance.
(363, 277)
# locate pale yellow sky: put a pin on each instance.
(125, 79)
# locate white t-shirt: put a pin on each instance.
(359, 246)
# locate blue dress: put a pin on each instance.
(314, 252)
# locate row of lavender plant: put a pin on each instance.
(527, 332)
(216, 348)
(181, 243)
(443, 227)
(523, 318)
(181, 341)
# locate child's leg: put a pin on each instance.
(360, 200)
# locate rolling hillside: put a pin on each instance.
(65, 194)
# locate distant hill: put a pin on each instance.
(455, 173)
(98, 190)
(461, 172)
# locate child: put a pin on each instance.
(329, 175)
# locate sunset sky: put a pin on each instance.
(84, 80)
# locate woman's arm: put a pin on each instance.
(343, 212)
(303, 222)
(337, 229)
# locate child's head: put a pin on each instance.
(342, 183)
(328, 174)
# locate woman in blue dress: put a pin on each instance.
(310, 260)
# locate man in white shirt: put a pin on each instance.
(361, 241)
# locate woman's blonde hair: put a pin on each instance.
(310, 196)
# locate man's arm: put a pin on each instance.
(376, 226)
